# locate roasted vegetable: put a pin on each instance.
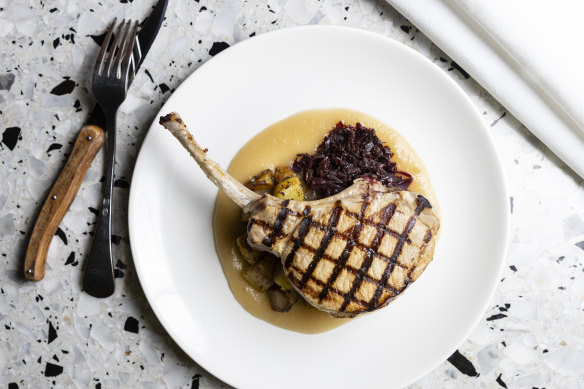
(283, 172)
(263, 182)
(260, 274)
(290, 189)
(278, 299)
(260, 271)
(250, 255)
(260, 183)
(281, 280)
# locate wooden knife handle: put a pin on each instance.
(60, 197)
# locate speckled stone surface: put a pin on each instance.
(54, 335)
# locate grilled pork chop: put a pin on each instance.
(346, 254)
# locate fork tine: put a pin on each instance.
(127, 55)
(119, 37)
(103, 49)
(120, 52)
(126, 47)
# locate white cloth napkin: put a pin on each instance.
(529, 54)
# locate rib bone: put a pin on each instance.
(234, 189)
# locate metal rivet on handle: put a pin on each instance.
(28, 271)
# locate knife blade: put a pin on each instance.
(87, 145)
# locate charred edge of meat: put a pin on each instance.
(428, 236)
(424, 201)
(171, 117)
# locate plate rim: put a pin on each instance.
(498, 166)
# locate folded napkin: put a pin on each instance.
(529, 54)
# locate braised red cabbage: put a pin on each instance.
(347, 153)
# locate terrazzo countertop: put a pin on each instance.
(54, 335)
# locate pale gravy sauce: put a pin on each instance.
(278, 145)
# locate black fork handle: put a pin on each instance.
(98, 280)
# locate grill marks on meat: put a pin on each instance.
(387, 213)
(342, 261)
(299, 241)
(269, 240)
(350, 253)
(348, 262)
(402, 239)
(324, 243)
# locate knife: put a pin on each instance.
(86, 146)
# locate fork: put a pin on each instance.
(114, 70)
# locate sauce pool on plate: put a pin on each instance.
(278, 145)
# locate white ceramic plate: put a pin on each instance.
(263, 80)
